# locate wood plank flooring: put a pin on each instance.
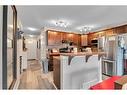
(34, 78)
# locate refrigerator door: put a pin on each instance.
(109, 62)
(114, 48)
(110, 48)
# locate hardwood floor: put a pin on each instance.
(34, 78)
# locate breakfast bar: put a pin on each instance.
(77, 70)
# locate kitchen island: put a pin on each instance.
(77, 70)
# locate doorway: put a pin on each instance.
(9, 44)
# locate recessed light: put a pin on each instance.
(31, 35)
(32, 29)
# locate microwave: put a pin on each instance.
(94, 41)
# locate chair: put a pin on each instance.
(45, 65)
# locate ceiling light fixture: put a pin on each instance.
(61, 23)
(32, 29)
(86, 29)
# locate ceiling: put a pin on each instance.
(100, 17)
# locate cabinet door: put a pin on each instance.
(111, 32)
(79, 40)
(50, 38)
(70, 37)
(83, 40)
(64, 36)
(56, 72)
(76, 39)
(120, 30)
(54, 38)
(57, 38)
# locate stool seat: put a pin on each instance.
(107, 84)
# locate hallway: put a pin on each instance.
(34, 78)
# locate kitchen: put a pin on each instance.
(79, 51)
(105, 43)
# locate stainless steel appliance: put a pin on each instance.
(109, 61)
(112, 63)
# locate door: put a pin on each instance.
(31, 45)
(11, 46)
(9, 50)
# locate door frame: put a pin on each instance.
(4, 47)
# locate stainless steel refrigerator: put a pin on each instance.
(112, 63)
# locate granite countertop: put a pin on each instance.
(72, 55)
(82, 53)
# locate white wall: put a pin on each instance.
(1, 46)
(31, 45)
(43, 43)
(19, 53)
(38, 49)
(41, 53)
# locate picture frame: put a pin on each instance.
(39, 45)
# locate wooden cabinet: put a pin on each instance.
(83, 40)
(121, 29)
(77, 40)
(64, 36)
(70, 37)
(56, 71)
(50, 38)
(91, 37)
(50, 65)
(110, 32)
(55, 38)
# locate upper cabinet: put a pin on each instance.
(121, 29)
(84, 40)
(110, 32)
(56, 38)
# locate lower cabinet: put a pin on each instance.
(50, 65)
(56, 71)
